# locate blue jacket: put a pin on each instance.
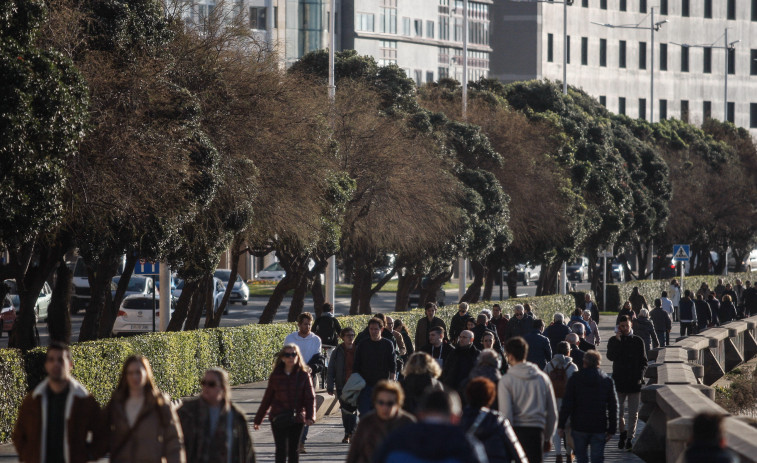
(539, 348)
(556, 333)
(429, 442)
(590, 402)
(579, 319)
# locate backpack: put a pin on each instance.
(327, 329)
(559, 378)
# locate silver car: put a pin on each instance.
(43, 300)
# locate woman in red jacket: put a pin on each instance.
(291, 400)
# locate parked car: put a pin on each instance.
(43, 300)
(618, 273)
(240, 292)
(135, 315)
(80, 292)
(415, 295)
(8, 313)
(579, 270)
(526, 273)
(273, 272)
(138, 284)
(218, 290)
(751, 261)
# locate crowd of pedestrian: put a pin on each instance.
(494, 387)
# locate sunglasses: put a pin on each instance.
(382, 403)
(209, 383)
(290, 355)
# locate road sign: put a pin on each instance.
(681, 252)
(144, 267)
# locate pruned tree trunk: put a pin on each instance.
(298, 298)
(512, 282)
(286, 284)
(489, 281)
(111, 309)
(364, 285)
(213, 320)
(183, 305)
(201, 300)
(316, 290)
(387, 278)
(405, 285)
(59, 311)
(473, 293)
(100, 279)
(547, 283)
(430, 292)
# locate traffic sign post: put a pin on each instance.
(681, 252)
(144, 267)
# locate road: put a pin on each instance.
(244, 315)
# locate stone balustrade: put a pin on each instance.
(678, 388)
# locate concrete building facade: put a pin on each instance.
(614, 64)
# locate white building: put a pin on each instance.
(614, 64)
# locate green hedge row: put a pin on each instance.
(179, 359)
(652, 289)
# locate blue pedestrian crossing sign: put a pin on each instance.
(144, 267)
(681, 252)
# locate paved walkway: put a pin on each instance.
(324, 439)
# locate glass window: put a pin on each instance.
(429, 76)
(603, 100)
(731, 61)
(753, 62)
(707, 60)
(603, 4)
(731, 9)
(418, 28)
(754, 10)
(623, 6)
(550, 48)
(365, 22)
(663, 109)
(663, 57)
(642, 55)
(663, 6)
(708, 9)
(443, 27)
(707, 110)
(685, 110)
(584, 51)
(388, 21)
(603, 52)
(684, 59)
(430, 30)
(731, 110)
(685, 10)
(642, 6)
(752, 115)
(406, 26)
(642, 108)
(585, 3)
(622, 54)
(621, 105)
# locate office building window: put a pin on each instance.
(418, 77)
(418, 28)
(429, 76)
(642, 6)
(550, 48)
(388, 21)
(603, 100)
(707, 110)
(365, 22)
(685, 111)
(585, 3)
(430, 29)
(663, 109)
(603, 4)
(684, 59)
(707, 60)
(642, 108)
(753, 62)
(731, 61)
(622, 105)
(708, 8)
(603, 52)
(584, 51)
(663, 6)
(642, 55)
(731, 110)
(443, 73)
(752, 115)
(623, 6)
(754, 10)
(731, 9)
(406, 29)
(567, 47)
(388, 49)
(622, 54)
(663, 57)
(685, 8)
(443, 27)
(258, 16)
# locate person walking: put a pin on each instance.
(666, 304)
(340, 368)
(705, 318)
(215, 430)
(420, 373)
(687, 314)
(645, 329)
(291, 400)
(398, 339)
(527, 400)
(494, 432)
(460, 361)
(557, 330)
(675, 297)
(592, 338)
(499, 321)
(714, 304)
(386, 416)
(559, 370)
(401, 329)
(626, 311)
(591, 405)
(425, 325)
(707, 444)
(750, 298)
(637, 300)
(727, 311)
(327, 327)
(437, 348)
(143, 425)
(591, 307)
(662, 322)
(458, 322)
(629, 363)
(375, 359)
(57, 415)
(539, 349)
(519, 325)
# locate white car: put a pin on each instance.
(751, 261)
(240, 292)
(138, 284)
(273, 272)
(218, 290)
(135, 315)
(43, 300)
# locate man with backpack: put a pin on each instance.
(327, 327)
(559, 370)
(592, 406)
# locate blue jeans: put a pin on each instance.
(364, 402)
(582, 441)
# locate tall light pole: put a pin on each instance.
(331, 264)
(727, 47)
(653, 27)
(462, 282)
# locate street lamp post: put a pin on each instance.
(330, 276)
(653, 27)
(727, 47)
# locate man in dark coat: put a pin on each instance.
(575, 352)
(704, 313)
(460, 361)
(714, 304)
(557, 331)
(592, 307)
(519, 325)
(457, 324)
(708, 443)
(499, 321)
(750, 298)
(638, 301)
(629, 362)
(481, 329)
(591, 405)
(539, 349)
(425, 324)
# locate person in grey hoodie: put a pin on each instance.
(561, 360)
(527, 399)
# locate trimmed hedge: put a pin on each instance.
(179, 359)
(652, 289)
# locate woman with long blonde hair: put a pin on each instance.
(291, 400)
(420, 373)
(142, 422)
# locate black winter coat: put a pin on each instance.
(629, 362)
(727, 312)
(494, 432)
(590, 402)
